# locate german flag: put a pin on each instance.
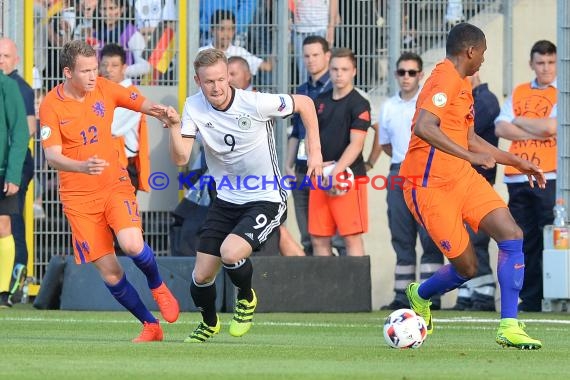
(164, 50)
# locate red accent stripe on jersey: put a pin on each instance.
(364, 116)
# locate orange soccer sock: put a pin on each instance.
(7, 256)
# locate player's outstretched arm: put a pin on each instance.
(167, 115)
(92, 166)
(534, 173)
(180, 146)
(306, 109)
(427, 128)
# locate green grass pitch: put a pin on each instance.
(96, 345)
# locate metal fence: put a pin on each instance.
(376, 30)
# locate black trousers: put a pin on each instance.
(532, 210)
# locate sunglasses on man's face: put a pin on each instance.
(411, 73)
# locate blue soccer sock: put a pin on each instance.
(127, 296)
(146, 262)
(441, 282)
(510, 271)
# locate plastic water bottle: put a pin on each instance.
(560, 229)
(25, 292)
(559, 213)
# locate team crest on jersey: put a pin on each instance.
(134, 95)
(244, 122)
(99, 108)
(439, 99)
(446, 245)
(45, 132)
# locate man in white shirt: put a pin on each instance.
(236, 127)
(128, 127)
(223, 25)
(394, 136)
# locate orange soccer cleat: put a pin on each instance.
(166, 302)
(151, 332)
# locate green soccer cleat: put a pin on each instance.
(243, 316)
(419, 305)
(18, 280)
(204, 332)
(511, 334)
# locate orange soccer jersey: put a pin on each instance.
(448, 96)
(83, 129)
(92, 203)
(444, 191)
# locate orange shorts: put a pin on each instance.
(346, 213)
(444, 210)
(91, 221)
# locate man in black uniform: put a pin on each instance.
(344, 118)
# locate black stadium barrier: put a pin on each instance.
(283, 284)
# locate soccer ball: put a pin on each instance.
(347, 178)
(404, 329)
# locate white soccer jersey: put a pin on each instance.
(239, 143)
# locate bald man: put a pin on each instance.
(9, 59)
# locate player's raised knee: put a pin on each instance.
(133, 247)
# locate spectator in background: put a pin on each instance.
(344, 119)
(149, 14)
(316, 54)
(240, 74)
(8, 61)
(40, 39)
(117, 26)
(129, 128)
(223, 32)
(60, 18)
(84, 29)
(528, 119)
(395, 131)
(478, 294)
(261, 35)
(14, 137)
(243, 11)
(312, 18)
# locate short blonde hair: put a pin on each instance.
(209, 57)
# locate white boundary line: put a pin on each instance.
(285, 324)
